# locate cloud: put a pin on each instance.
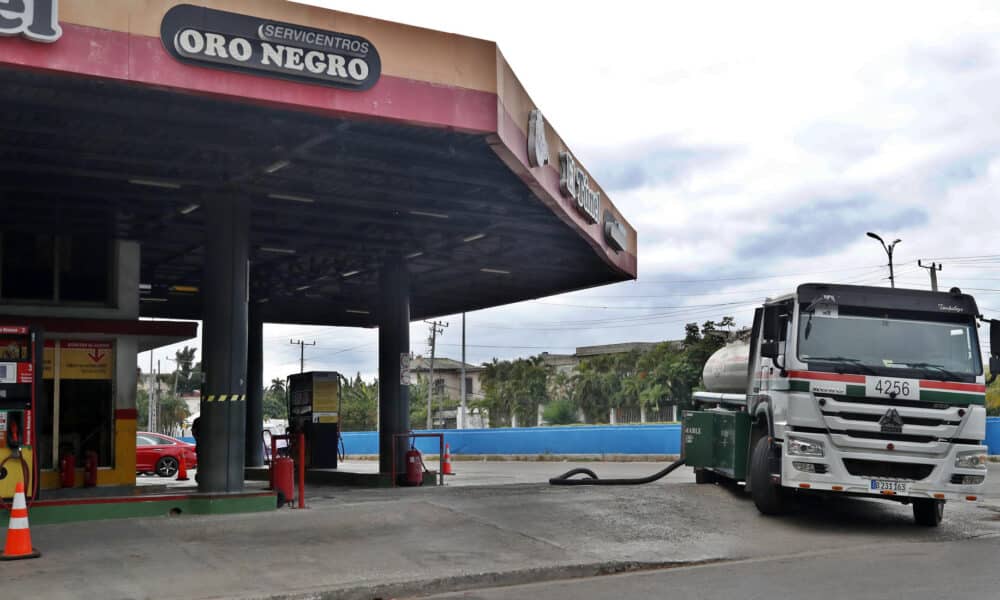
(652, 163)
(971, 53)
(751, 153)
(823, 227)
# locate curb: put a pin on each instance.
(474, 581)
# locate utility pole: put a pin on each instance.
(436, 328)
(933, 268)
(156, 403)
(176, 373)
(149, 401)
(463, 408)
(302, 352)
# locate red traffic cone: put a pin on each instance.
(446, 469)
(18, 535)
(182, 469)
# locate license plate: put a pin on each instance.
(892, 387)
(880, 485)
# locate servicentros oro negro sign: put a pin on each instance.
(36, 20)
(230, 41)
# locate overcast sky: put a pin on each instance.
(752, 145)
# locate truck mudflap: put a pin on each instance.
(877, 475)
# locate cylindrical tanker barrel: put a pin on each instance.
(726, 370)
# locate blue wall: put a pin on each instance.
(619, 439)
(609, 439)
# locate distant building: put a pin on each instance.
(567, 363)
(448, 377)
(447, 384)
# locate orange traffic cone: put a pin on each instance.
(182, 469)
(447, 460)
(18, 535)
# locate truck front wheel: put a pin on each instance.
(928, 512)
(767, 495)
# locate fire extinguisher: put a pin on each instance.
(414, 467)
(90, 469)
(67, 470)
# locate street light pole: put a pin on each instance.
(888, 250)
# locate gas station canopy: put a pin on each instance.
(243, 162)
(122, 129)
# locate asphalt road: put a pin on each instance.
(924, 571)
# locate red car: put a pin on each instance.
(161, 454)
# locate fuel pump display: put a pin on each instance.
(20, 361)
(314, 409)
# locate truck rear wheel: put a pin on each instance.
(767, 495)
(928, 512)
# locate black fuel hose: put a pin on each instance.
(593, 479)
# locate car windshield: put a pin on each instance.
(939, 349)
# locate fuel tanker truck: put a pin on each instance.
(849, 390)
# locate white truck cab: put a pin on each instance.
(864, 391)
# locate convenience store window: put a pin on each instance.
(81, 406)
(42, 268)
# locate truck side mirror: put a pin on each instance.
(994, 350)
(770, 349)
(772, 323)
(995, 337)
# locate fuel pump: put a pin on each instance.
(314, 409)
(20, 372)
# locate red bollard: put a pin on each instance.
(302, 469)
(182, 469)
(283, 471)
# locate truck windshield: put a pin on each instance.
(943, 350)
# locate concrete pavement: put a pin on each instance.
(925, 571)
(511, 529)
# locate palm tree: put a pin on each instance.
(277, 386)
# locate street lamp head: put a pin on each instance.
(896, 242)
(874, 236)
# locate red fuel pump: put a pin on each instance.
(414, 467)
(21, 359)
(67, 470)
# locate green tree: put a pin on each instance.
(142, 408)
(359, 405)
(418, 402)
(560, 412)
(188, 372)
(173, 411)
(275, 404)
(514, 388)
(668, 373)
(993, 397)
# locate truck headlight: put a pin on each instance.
(800, 447)
(971, 460)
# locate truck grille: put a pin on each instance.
(890, 403)
(906, 420)
(891, 470)
(862, 420)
